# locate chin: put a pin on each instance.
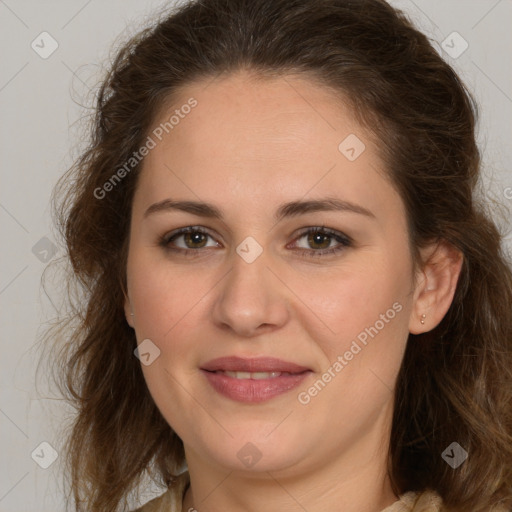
(253, 452)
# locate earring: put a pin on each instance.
(131, 314)
(423, 318)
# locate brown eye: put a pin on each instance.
(194, 240)
(320, 241)
(189, 238)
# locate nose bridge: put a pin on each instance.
(250, 296)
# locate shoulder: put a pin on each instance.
(171, 500)
(426, 501)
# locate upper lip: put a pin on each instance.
(258, 364)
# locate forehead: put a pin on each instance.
(261, 118)
(255, 137)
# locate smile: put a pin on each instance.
(253, 380)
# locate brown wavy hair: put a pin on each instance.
(455, 382)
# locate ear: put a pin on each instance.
(435, 286)
(128, 313)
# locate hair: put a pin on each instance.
(455, 382)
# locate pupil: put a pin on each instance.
(316, 238)
(194, 238)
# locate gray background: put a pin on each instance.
(41, 135)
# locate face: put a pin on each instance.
(298, 271)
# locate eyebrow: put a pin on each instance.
(290, 209)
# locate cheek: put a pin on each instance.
(348, 300)
(162, 294)
(363, 332)
(362, 336)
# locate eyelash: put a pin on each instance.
(343, 240)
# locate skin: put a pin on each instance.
(248, 147)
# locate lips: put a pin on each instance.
(253, 380)
(253, 365)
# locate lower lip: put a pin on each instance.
(252, 390)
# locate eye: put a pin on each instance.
(187, 240)
(319, 241)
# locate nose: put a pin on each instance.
(251, 299)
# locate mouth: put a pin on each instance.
(253, 380)
(253, 365)
(253, 375)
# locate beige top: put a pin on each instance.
(171, 500)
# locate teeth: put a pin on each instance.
(253, 375)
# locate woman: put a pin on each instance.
(290, 291)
